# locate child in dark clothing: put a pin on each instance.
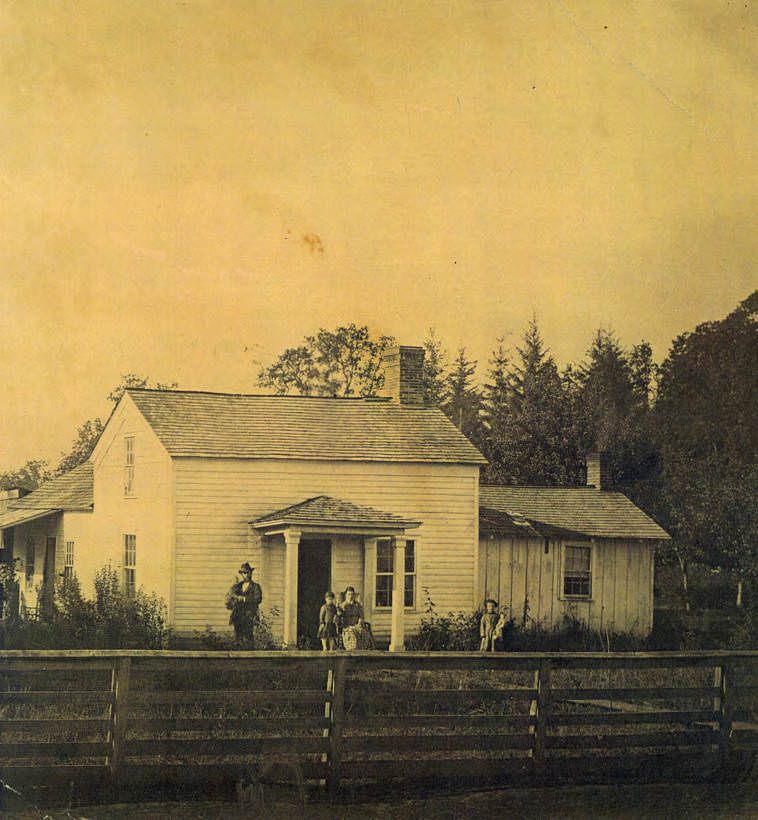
(327, 622)
(487, 626)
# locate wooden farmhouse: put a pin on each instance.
(321, 493)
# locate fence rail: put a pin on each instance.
(122, 716)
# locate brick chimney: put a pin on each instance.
(598, 474)
(403, 368)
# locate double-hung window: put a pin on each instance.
(577, 572)
(130, 564)
(129, 465)
(410, 575)
(385, 566)
(68, 566)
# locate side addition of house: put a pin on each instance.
(580, 553)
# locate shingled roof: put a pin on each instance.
(322, 509)
(301, 427)
(572, 511)
(70, 491)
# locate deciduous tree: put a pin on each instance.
(89, 432)
(707, 432)
(341, 362)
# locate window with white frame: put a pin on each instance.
(385, 565)
(128, 465)
(30, 553)
(577, 572)
(68, 566)
(130, 564)
(410, 575)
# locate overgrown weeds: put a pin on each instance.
(113, 619)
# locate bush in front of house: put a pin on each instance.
(263, 635)
(111, 620)
(459, 632)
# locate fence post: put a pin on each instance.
(119, 706)
(543, 712)
(722, 708)
(338, 717)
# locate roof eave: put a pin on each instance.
(281, 457)
(367, 530)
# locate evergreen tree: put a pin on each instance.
(462, 398)
(496, 417)
(435, 364)
(611, 408)
(541, 449)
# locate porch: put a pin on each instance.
(310, 533)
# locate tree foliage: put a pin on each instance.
(435, 368)
(88, 434)
(462, 398)
(28, 477)
(707, 434)
(341, 362)
(526, 412)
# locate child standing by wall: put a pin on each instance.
(487, 626)
(327, 622)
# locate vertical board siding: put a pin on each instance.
(505, 590)
(518, 595)
(216, 498)
(492, 587)
(518, 570)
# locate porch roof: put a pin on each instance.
(323, 512)
(71, 491)
(11, 518)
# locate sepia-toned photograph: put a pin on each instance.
(379, 431)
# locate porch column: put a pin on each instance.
(397, 635)
(291, 545)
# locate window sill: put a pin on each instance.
(409, 609)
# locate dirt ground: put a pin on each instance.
(634, 802)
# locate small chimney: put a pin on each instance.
(598, 474)
(403, 367)
(7, 497)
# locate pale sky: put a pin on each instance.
(180, 181)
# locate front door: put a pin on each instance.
(314, 573)
(48, 568)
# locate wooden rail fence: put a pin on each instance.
(346, 718)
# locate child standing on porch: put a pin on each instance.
(327, 622)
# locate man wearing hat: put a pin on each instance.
(243, 600)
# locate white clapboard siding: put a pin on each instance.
(216, 498)
(146, 513)
(515, 571)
